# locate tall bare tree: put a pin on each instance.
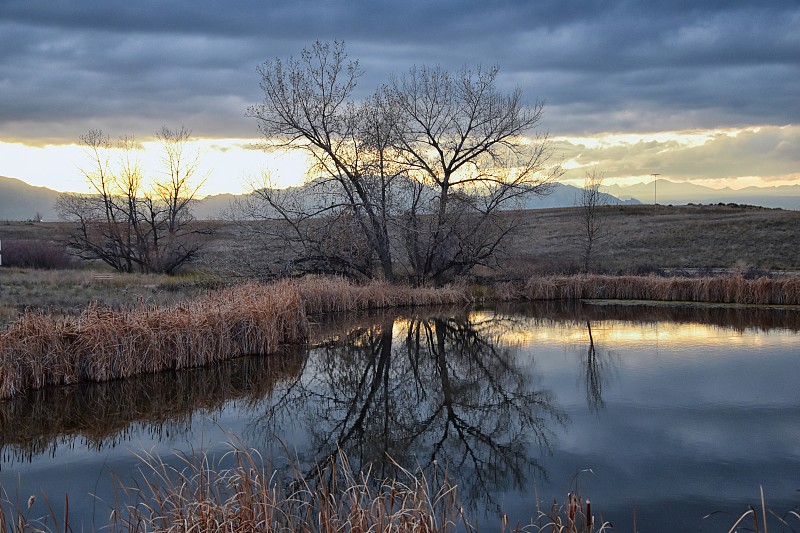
(421, 168)
(126, 225)
(462, 139)
(307, 105)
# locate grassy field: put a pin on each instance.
(635, 239)
(640, 239)
(680, 240)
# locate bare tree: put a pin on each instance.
(127, 226)
(307, 105)
(591, 202)
(464, 140)
(421, 168)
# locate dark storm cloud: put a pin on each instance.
(598, 65)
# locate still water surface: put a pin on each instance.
(674, 413)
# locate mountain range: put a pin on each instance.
(670, 192)
(21, 201)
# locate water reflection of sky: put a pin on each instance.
(674, 417)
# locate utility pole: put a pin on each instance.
(655, 189)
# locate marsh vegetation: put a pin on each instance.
(444, 415)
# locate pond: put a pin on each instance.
(673, 414)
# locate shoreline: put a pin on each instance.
(41, 348)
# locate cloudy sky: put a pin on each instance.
(694, 90)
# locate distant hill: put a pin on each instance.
(564, 195)
(214, 207)
(670, 192)
(20, 201)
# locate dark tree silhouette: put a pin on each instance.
(416, 174)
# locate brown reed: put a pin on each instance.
(239, 492)
(103, 344)
(719, 289)
(573, 517)
(199, 495)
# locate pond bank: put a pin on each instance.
(103, 344)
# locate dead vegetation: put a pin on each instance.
(103, 344)
(639, 239)
(713, 289)
(239, 492)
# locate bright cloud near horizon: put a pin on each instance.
(694, 91)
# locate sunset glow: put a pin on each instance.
(226, 165)
(230, 165)
(621, 334)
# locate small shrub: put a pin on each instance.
(29, 253)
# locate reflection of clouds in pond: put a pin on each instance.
(634, 334)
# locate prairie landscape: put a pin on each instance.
(74, 321)
(635, 239)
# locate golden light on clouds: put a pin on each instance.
(733, 157)
(717, 158)
(683, 138)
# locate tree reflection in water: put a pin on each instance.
(593, 373)
(424, 391)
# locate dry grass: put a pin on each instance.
(238, 492)
(103, 344)
(720, 289)
(758, 518)
(326, 295)
(551, 240)
(66, 292)
(638, 238)
(198, 495)
(573, 517)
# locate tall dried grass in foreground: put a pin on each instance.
(198, 495)
(723, 289)
(752, 516)
(237, 492)
(104, 344)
